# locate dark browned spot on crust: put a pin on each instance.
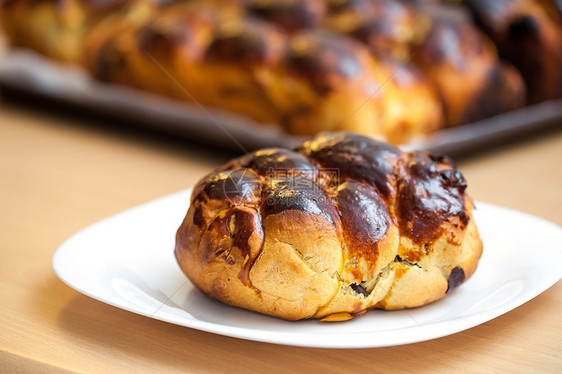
(367, 31)
(376, 24)
(7, 3)
(161, 42)
(109, 60)
(274, 162)
(297, 193)
(451, 43)
(238, 186)
(456, 278)
(365, 219)
(246, 225)
(232, 236)
(217, 241)
(503, 91)
(356, 157)
(429, 195)
(290, 14)
(323, 59)
(525, 26)
(242, 42)
(198, 219)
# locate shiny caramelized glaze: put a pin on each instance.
(276, 159)
(245, 41)
(323, 59)
(357, 158)
(364, 230)
(292, 15)
(375, 186)
(430, 192)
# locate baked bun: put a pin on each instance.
(528, 33)
(278, 62)
(57, 28)
(470, 78)
(341, 224)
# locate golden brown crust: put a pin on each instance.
(340, 225)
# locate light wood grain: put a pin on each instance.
(59, 175)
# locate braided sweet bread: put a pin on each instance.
(340, 224)
(305, 65)
(529, 34)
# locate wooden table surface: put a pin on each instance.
(59, 174)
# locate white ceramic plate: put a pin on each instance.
(127, 261)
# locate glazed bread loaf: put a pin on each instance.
(372, 67)
(307, 82)
(464, 67)
(236, 55)
(529, 34)
(339, 225)
(461, 63)
(57, 28)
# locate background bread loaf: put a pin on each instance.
(373, 67)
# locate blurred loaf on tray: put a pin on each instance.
(392, 68)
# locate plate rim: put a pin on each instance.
(326, 340)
